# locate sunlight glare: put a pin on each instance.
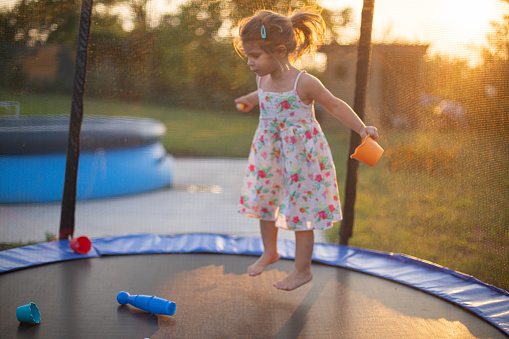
(469, 19)
(457, 28)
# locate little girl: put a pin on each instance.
(290, 180)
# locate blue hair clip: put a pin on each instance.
(264, 34)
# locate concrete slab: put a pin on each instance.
(204, 199)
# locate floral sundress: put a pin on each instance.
(290, 177)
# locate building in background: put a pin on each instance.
(394, 87)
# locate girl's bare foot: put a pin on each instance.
(293, 280)
(263, 261)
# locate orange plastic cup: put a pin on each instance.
(80, 245)
(369, 152)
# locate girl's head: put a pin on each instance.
(299, 33)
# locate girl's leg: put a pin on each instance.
(301, 274)
(270, 255)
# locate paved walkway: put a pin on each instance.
(203, 200)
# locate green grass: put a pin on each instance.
(7, 246)
(189, 132)
(454, 215)
(439, 196)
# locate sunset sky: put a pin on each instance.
(454, 27)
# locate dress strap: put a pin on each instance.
(259, 79)
(297, 80)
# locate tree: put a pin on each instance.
(483, 90)
(28, 24)
(496, 76)
(197, 64)
(31, 22)
(187, 59)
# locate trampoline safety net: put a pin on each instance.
(438, 92)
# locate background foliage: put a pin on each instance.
(186, 59)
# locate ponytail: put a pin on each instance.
(301, 32)
(309, 28)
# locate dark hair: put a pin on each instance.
(301, 31)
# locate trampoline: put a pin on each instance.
(113, 151)
(354, 293)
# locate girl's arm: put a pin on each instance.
(313, 90)
(249, 100)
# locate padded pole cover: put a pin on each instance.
(73, 149)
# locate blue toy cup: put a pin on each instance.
(28, 313)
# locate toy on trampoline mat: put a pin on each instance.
(148, 303)
(28, 313)
(81, 245)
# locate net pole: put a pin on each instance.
(361, 85)
(73, 146)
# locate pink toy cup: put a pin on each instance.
(369, 152)
(80, 245)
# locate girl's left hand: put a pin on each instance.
(369, 131)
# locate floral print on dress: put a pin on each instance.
(290, 177)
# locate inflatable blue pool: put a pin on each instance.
(119, 156)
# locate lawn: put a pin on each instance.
(441, 197)
(436, 195)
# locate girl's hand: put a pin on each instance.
(243, 104)
(369, 131)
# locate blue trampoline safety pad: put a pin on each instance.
(488, 302)
(40, 254)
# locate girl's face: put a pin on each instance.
(258, 60)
